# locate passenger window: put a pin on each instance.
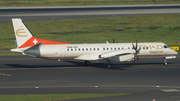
(114, 48)
(111, 48)
(118, 48)
(107, 48)
(71, 49)
(103, 48)
(83, 49)
(86, 49)
(75, 49)
(67, 49)
(90, 49)
(79, 49)
(122, 48)
(98, 49)
(94, 49)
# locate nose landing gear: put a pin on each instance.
(165, 61)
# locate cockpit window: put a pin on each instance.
(166, 46)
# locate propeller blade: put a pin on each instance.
(137, 58)
(136, 44)
(136, 47)
(139, 49)
(133, 47)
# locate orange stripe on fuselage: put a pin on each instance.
(33, 41)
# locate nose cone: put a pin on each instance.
(174, 52)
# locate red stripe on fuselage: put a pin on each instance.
(32, 41)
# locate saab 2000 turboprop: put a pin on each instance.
(122, 52)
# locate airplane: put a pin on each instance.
(29, 45)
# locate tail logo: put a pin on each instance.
(19, 31)
(35, 41)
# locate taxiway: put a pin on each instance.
(21, 74)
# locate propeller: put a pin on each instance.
(136, 49)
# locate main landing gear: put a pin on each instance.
(87, 63)
(108, 65)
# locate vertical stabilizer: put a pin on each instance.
(21, 31)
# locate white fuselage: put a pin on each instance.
(75, 50)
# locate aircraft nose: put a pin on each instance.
(174, 52)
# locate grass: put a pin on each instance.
(144, 28)
(9, 54)
(25, 3)
(53, 97)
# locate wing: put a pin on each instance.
(120, 55)
(88, 57)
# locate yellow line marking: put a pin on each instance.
(8, 75)
(44, 68)
(5, 74)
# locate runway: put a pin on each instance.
(75, 12)
(20, 75)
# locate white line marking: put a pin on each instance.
(170, 90)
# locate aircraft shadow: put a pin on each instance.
(117, 66)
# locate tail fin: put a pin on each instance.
(21, 32)
(24, 37)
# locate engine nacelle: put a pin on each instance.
(117, 53)
(123, 58)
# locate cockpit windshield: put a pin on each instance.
(166, 46)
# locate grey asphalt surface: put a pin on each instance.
(20, 75)
(75, 12)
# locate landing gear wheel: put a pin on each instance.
(133, 60)
(108, 66)
(165, 62)
(87, 63)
